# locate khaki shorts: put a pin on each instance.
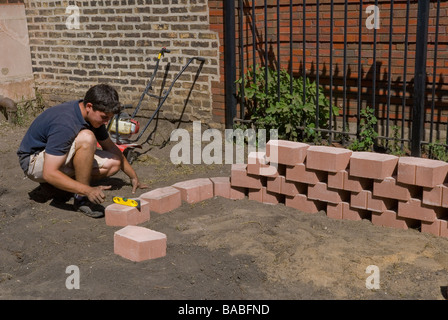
(36, 164)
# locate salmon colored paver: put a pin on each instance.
(390, 191)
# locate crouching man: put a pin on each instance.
(60, 148)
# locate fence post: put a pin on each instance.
(418, 109)
(229, 61)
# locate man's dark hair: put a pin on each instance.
(104, 98)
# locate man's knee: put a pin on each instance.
(85, 138)
(110, 163)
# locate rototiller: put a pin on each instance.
(123, 126)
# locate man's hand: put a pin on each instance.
(136, 184)
(96, 194)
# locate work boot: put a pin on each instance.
(83, 204)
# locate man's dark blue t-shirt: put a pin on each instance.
(54, 131)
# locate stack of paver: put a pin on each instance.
(391, 191)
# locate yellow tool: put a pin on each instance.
(128, 202)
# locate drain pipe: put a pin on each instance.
(9, 108)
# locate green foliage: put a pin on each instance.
(436, 150)
(395, 144)
(27, 110)
(367, 134)
(285, 112)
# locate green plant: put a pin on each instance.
(367, 132)
(395, 144)
(273, 106)
(28, 109)
(436, 150)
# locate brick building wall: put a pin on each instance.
(117, 43)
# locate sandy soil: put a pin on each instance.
(216, 249)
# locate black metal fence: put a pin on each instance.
(360, 53)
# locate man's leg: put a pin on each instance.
(85, 146)
(105, 164)
(84, 161)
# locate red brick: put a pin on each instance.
(163, 200)
(377, 204)
(195, 190)
(372, 165)
(334, 210)
(275, 184)
(431, 173)
(433, 196)
(237, 193)
(271, 197)
(445, 197)
(390, 188)
(302, 203)
(300, 173)
(359, 199)
(439, 227)
(336, 179)
(421, 172)
(292, 188)
(344, 181)
(257, 163)
(240, 178)
(329, 159)
(389, 218)
(288, 152)
(321, 192)
(255, 194)
(138, 244)
(444, 228)
(431, 227)
(221, 186)
(414, 209)
(119, 215)
(355, 214)
(343, 210)
(366, 200)
(406, 170)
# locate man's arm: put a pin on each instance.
(57, 178)
(109, 145)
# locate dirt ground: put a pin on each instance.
(216, 249)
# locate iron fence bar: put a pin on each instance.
(418, 109)
(406, 43)
(230, 62)
(374, 65)
(344, 101)
(304, 51)
(291, 71)
(241, 31)
(278, 50)
(331, 70)
(266, 62)
(434, 73)
(317, 64)
(358, 118)
(389, 67)
(254, 49)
